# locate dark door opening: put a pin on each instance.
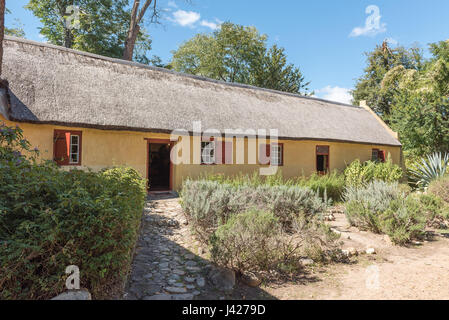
(322, 159)
(159, 167)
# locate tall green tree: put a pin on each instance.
(420, 104)
(379, 62)
(99, 26)
(236, 53)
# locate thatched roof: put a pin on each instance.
(50, 84)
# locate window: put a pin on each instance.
(67, 147)
(271, 154)
(74, 149)
(208, 152)
(322, 159)
(277, 155)
(378, 155)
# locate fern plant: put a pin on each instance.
(429, 169)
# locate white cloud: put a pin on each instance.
(185, 18)
(209, 24)
(373, 26)
(336, 94)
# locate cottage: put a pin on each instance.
(88, 111)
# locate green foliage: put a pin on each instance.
(429, 169)
(440, 188)
(17, 30)
(210, 203)
(330, 186)
(236, 53)
(358, 174)
(383, 208)
(103, 26)
(379, 62)
(50, 219)
(248, 241)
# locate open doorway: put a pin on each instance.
(322, 159)
(159, 166)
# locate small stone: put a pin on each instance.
(306, 262)
(74, 295)
(370, 251)
(190, 286)
(158, 297)
(223, 279)
(189, 279)
(200, 282)
(191, 263)
(176, 289)
(251, 279)
(179, 272)
(186, 296)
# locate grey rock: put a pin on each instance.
(176, 289)
(251, 279)
(186, 296)
(162, 296)
(222, 279)
(74, 295)
(200, 282)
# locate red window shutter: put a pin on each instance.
(227, 153)
(264, 154)
(382, 156)
(61, 147)
(219, 153)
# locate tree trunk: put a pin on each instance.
(134, 27)
(2, 32)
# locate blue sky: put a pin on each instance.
(326, 39)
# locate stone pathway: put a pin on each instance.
(168, 264)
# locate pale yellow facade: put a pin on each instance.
(106, 148)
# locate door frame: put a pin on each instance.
(328, 154)
(159, 141)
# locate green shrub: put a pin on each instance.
(50, 219)
(403, 220)
(247, 241)
(428, 169)
(440, 188)
(328, 186)
(210, 203)
(384, 208)
(359, 174)
(255, 241)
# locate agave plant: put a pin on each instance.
(428, 169)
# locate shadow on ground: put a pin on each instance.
(170, 265)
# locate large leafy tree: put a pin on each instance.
(236, 53)
(379, 62)
(420, 104)
(101, 28)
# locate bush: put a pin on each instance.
(428, 169)
(50, 219)
(384, 208)
(328, 186)
(440, 188)
(359, 174)
(255, 241)
(210, 203)
(247, 241)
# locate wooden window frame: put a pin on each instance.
(281, 154)
(68, 162)
(214, 144)
(323, 154)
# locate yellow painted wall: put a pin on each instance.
(105, 148)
